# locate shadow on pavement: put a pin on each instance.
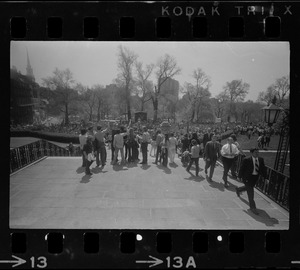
(120, 167)
(218, 185)
(263, 217)
(97, 170)
(195, 178)
(231, 187)
(80, 170)
(85, 179)
(173, 165)
(165, 169)
(145, 166)
(132, 164)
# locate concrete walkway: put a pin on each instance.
(55, 193)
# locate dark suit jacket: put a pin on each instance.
(247, 167)
(206, 138)
(211, 152)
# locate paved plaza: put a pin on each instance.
(56, 193)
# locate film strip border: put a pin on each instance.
(152, 21)
(166, 249)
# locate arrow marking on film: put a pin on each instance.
(18, 261)
(154, 263)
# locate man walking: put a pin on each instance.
(207, 137)
(159, 139)
(100, 146)
(82, 141)
(229, 151)
(252, 167)
(172, 147)
(211, 154)
(194, 156)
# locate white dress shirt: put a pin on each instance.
(254, 159)
(225, 151)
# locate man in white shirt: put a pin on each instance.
(172, 147)
(118, 144)
(228, 152)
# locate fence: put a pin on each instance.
(27, 154)
(275, 185)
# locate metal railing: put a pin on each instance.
(275, 185)
(27, 154)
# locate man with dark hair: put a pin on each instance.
(229, 151)
(207, 137)
(211, 154)
(100, 146)
(159, 139)
(195, 149)
(82, 142)
(145, 140)
(88, 154)
(252, 167)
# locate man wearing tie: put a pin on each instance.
(229, 151)
(252, 167)
(211, 154)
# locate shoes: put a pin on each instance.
(253, 210)
(89, 174)
(226, 185)
(237, 192)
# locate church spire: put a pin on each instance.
(29, 71)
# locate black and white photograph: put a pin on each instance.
(149, 135)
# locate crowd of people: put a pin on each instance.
(190, 143)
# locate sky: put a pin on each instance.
(256, 63)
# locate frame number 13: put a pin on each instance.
(40, 262)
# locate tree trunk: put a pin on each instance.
(98, 112)
(66, 114)
(155, 108)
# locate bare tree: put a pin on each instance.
(166, 68)
(143, 84)
(235, 91)
(267, 96)
(62, 83)
(197, 93)
(126, 60)
(282, 88)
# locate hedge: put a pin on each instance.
(50, 136)
(66, 138)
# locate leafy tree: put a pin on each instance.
(62, 84)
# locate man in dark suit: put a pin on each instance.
(252, 167)
(207, 137)
(211, 154)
